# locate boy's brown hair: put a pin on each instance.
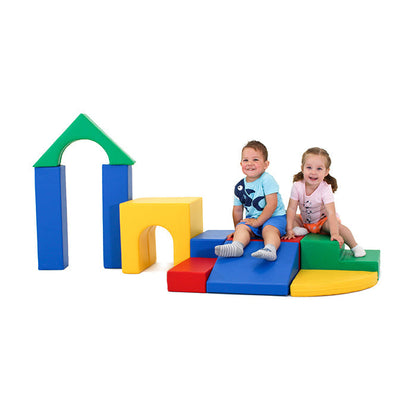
(256, 145)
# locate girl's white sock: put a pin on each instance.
(358, 251)
(299, 231)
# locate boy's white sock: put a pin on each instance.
(299, 231)
(358, 251)
(235, 249)
(268, 252)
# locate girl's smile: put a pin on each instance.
(314, 170)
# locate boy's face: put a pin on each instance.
(253, 164)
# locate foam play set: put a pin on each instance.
(306, 266)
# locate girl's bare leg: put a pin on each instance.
(344, 232)
(298, 227)
(349, 239)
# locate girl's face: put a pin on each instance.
(253, 164)
(314, 169)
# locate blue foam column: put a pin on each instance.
(117, 188)
(51, 218)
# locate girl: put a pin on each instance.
(313, 191)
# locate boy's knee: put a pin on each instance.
(271, 229)
(242, 227)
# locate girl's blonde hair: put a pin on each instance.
(319, 152)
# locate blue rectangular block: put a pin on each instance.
(51, 218)
(117, 188)
(250, 275)
(203, 244)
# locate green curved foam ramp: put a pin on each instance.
(319, 252)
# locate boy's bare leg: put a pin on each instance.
(242, 234)
(241, 238)
(271, 237)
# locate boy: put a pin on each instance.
(257, 194)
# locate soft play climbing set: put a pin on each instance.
(305, 266)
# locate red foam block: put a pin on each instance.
(294, 240)
(191, 275)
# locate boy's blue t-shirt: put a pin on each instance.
(253, 195)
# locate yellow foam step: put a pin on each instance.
(331, 282)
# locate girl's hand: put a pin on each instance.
(289, 235)
(230, 236)
(338, 238)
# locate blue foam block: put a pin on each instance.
(51, 218)
(117, 188)
(203, 244)
(249, 275)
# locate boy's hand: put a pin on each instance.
(338, 238)
(252, 221)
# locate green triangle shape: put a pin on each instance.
(83, 128)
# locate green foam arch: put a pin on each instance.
(83, 128)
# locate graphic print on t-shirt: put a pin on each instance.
(243, 194)
(308, 212)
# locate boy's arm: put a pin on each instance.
(237, 214)
(238, 211)
(290, 217)
(333, 223)
(271, 205)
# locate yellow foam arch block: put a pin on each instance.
(331, 282)
(182, 217)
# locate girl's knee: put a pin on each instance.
(343, 229)
(298, 221)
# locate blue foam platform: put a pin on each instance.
(249, 275)
(203, 244)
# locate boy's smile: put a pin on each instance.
(253, 164)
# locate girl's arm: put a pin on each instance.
(333, 223)
(271, 205)
(290, 217)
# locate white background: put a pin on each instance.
(181, 86)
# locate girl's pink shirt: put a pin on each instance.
(312, 207)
